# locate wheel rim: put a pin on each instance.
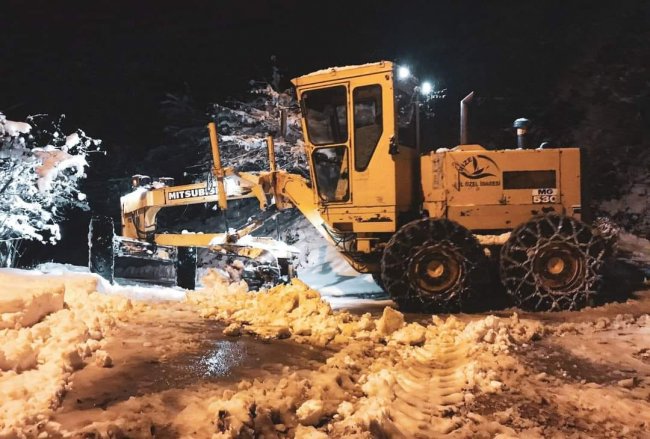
(435, 269)
(558, 267)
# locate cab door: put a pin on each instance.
(326, 118)
(374, 166)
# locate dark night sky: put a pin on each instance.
(108, 64)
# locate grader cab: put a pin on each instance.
(430, 227)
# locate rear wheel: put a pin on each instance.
(101, 250)
(553, 263)
(186, 268)
(433, 265)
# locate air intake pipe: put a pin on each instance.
(463, 117)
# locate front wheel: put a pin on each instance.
(433, 265)
(553, 263)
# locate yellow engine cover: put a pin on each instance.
(491, 190)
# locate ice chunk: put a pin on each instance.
(310, 412)
(390, 321)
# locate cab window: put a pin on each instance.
(368, 123)
(326, 115)
(331, 171)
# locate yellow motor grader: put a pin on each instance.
(430, 227)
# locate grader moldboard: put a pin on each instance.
(428, 227)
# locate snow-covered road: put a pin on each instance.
(283, 363)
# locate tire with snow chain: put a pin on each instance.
(553, 263)
(186, 268)
(433, 265)
(101, 249)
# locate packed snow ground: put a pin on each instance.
(582, 374)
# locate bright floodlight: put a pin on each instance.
(403, 72)
(426, 88)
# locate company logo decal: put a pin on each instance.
(191, 193)
(479, 170)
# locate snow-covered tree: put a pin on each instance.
(242, 124)
(40, 173)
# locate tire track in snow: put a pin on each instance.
(427, 391)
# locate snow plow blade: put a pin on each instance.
(261, 262)
(145, 262)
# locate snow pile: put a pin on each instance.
(387, 376)
(618, 322)
(55, 325)
(22, 305)
(276, 313)
(283, 311)
(75, 274)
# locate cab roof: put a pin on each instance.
(334, 73)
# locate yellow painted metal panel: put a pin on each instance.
(494, 217)
(338, 73)
(188, 239)
(469, 184)
(379, 219)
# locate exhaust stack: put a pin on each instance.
(521, 125)
(463, 117)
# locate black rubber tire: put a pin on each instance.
(434, 265)
(101, 248)
(553, 263)
(186, 268)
